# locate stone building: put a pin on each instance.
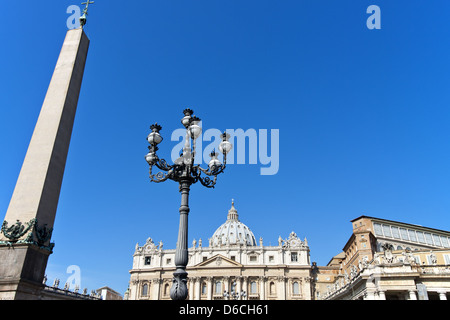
(387, 260)
(106, 293)
(234, 265)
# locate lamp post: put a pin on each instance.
(186, 173)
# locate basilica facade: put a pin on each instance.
(233, 265)
(382, 260)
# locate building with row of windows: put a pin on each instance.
(233, 265)
(387, 260)
(382, 260)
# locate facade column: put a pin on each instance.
(134, 289)
(191, 288)
(442, 295)
(226, 282)
(238, 286)
(262, 288)
(281, 256)
(160, 260)
(306, 288)
(209, 284)
(197, 288)
(156, 283)
(281, 288)
(245, 288)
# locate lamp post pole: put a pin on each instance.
(186, 173)
(179, 288)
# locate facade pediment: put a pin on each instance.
(218, 261)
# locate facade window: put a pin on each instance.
(295, 288)
(233, 258)
(444, 242)
(166, 289)
(253, 259)
(233, 287)
(271, 259)
(204, 288)
(377, 229)
(420, 237)
(218, 287)
(412, 235)
(147, 261)
(168, 261)
(437, 240)
(294, 257)
(145, 290)
(272, 288)
(447, 259)
(387, 231)
(205, 258)
(253, 287)
(404, 234)
(428, 238)
(395, 232)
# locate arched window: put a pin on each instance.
(233, 287)
(272, 288)
(295, 288)
(253, 287)
(166, 289)
(218, 287)
(145, 290)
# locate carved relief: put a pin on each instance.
(33, 233)
(293, 242)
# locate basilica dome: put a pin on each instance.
(233, 232)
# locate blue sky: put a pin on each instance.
(363, 117)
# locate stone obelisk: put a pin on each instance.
(26, 231)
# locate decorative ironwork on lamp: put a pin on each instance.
(185, 172)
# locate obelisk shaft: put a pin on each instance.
(37, 189)
(35, 197)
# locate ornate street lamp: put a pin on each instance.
(186, 173)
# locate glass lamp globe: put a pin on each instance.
(151, 157)
(194, 129)
(179, 161)
(214, 161)
(185, 121)
(154, 138)
(225, 146)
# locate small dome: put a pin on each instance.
(233, 231)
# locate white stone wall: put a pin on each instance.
(271, 268)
